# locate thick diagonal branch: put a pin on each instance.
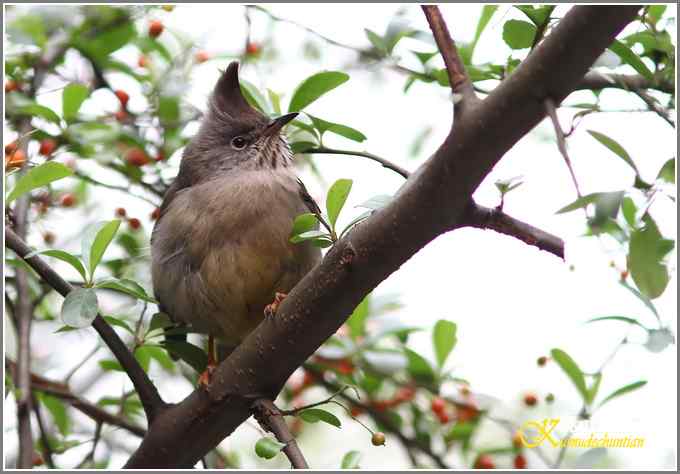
(148, 394)
(433, 201)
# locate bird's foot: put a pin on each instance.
(270, 309)
(206, 376)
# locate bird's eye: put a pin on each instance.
(238, 143)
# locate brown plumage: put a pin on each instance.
(220, 249)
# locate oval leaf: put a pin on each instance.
(615, 147)
(351, 460)
(64, 257)
(314, 87)
(189, 353)
(518, 34)
(72, 98)
(127, 286)
(314, 415)
(572, 370)
(337, 196)
(268, 447)
(419, 368)
(39, 176)
(629, 57)
(95, 241)
(80, 307)
(644, 259)
(444, 339)
(304, 223)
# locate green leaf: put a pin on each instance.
(337, 196)
(314, 415)
(189, 353)
(73, 97)
(254, 97)
(444, 340)
(624, 319)
(623, 390)
(377, 41)
(28, 27)
(647, 302)
(97, 238)
(111, 365)
(644, 259)
(351, 460)
(615, 147)
(101, 45)
(39, 176)
(518, 34)
(667, 171)
(376, 202)
(484, 18)
(117, 322)
(655, 12)
(592, 391)
(304, 223)
(629, 212)
(583, 201)
(127, 286)
(301, 146)
(268, 447)
(64, 257)
(419, 368)
(324, 126)
(160, 321)
(572, 370)
(538, 15)
(168, 109)
(629, 57)
(57, 409)
(314, 87)
(80, 307)
(357, 321)
(310, 235)
(19, 104)
(160, 356)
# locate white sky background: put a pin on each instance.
(511, 302)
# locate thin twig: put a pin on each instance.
(44, 438)
(148, 393)
(123, 189)
(385, 163)
(271, 418)
(80, 364)
(654, 106)
(561, 141)
(295, 411)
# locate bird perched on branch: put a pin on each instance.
(221, 255)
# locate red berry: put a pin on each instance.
(520, 462)
(121, 212)
(68, 200)
(484, 461)
(405, 394)
(47, 146)
(156, 214)
(467, 413)
(123, 97)
(624, 275)
(378, 439)
(252, 48)
(438, 405)
(11, 85)
(137, 157)
(380, 405)
(201, 56)
(345, 367)
(16, 159)
(356, 411)
(142, 61)
(541, 361)
(134, 223)
(308, 379)
(49, 237)
(530, 399)
(443, 417)
(155, 28)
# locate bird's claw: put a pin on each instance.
(271, 309)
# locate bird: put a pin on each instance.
(221, 256)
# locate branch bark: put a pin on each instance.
(148, 394)
(432, 201)
(594, 80)
(271, 418)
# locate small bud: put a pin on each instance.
(378, 438)
(549, 398)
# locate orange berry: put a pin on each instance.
(252, 48)
(484, 461)
(520, 462)
(121, 212)
(11, 148)
(49, 237)
(308, 379)
(201, 56)
(134, 223)
(156, 214)
(68, 200)
(123, 97)
(155, 28)
(11, 85)
(530, 399)
(137, 157)
(517, 439)
(438, 405)
(47, 146)
(356, 411)
(15, 160)
(378, 438)
(142, 61)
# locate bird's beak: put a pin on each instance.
(278, 123)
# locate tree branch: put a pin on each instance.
(654, 106)
(458, 79)
(561, 141)
(148, 394)
(91, 410)
(433, 201)
(594, 80)
(44, 439)
(271, 418)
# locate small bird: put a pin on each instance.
(220, 250)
